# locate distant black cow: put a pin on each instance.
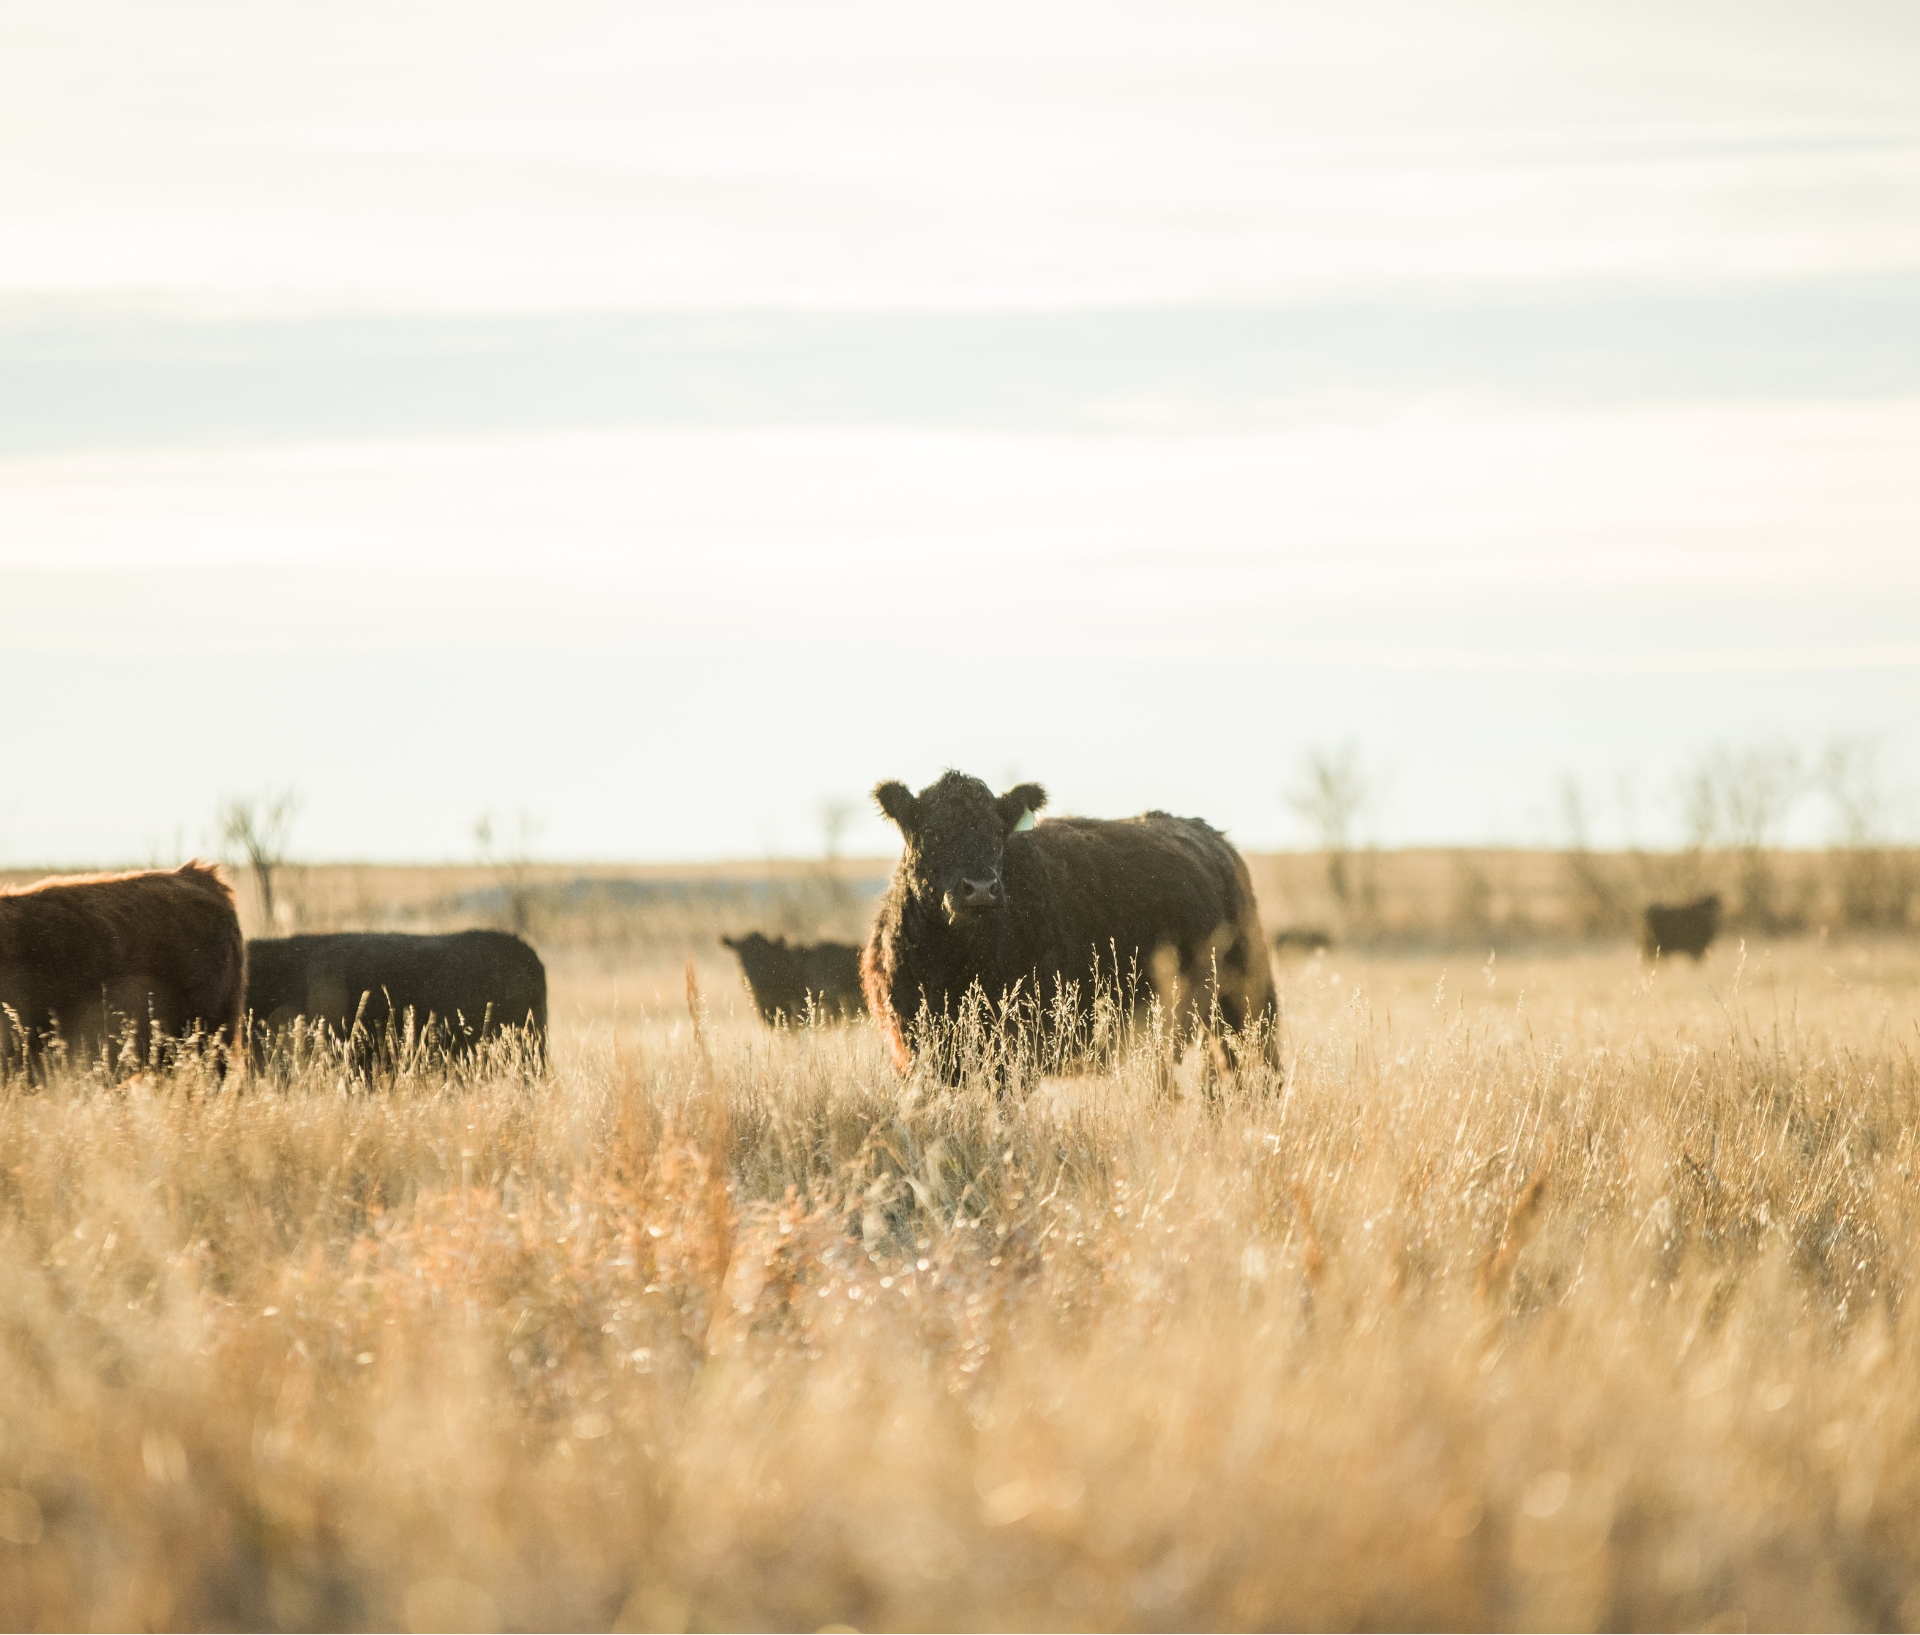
(984, 895)
(157, 952)
(1304, 938)
(1682, 928)
(470, 985)
(783, 977)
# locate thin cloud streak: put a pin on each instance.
(84, 376)
(1726, 661)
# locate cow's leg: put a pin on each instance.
(1163, 1048)
(1245, 1002)
(1220, 1067)
(1181, 997)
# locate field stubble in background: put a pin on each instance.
(1549, 1291)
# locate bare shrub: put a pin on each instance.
(820, 899)
(1597, 903)
(1738, 798)
(506, 847)
(1875, 884)
(1331, 796)
(1473, 897)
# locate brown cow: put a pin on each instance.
(90, 956)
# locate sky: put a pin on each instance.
(660, 424)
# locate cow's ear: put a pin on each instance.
(1019, 803)
(897, 801)
(728, 942)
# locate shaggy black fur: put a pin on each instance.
(781, 976)
(89, 955)
(1160, 901)
(1682, 928)
(470, 984)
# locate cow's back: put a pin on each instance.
(468, 984)
(1119, 889)
(833, 978)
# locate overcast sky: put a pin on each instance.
(664, 421)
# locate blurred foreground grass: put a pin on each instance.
(1549, 1291)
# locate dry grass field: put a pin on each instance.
(1550, 1290)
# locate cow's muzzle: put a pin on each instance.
(972, 897)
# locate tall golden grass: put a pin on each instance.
(1545, 1292)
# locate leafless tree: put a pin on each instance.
(836, 817)
(1331, 796)
(1739, 799)
(255, 829)
(507, 848)
(1598, 904)
(1853, 779)
(1877, 886)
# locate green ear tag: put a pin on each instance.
(1026, 820)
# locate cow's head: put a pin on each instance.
(758, 954)
(956, 833)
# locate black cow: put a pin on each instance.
(156, 952)
(1682, 928)
(783, 977)
(362, 985)
(1159, 905)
